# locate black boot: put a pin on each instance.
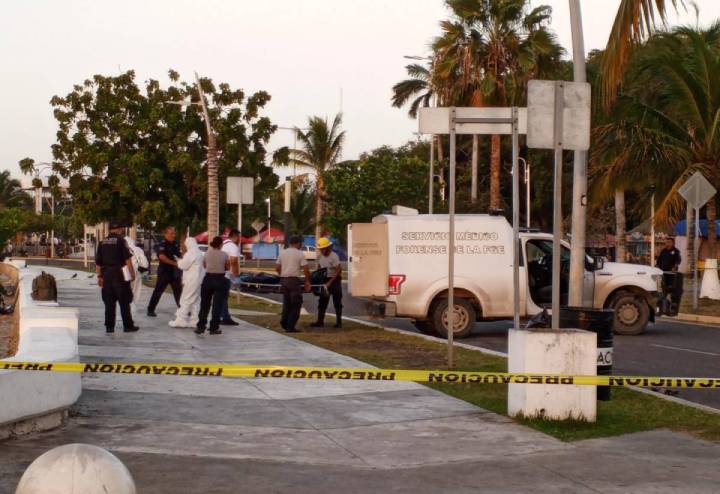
(320, 323)
(338, 316)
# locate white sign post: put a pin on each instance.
(558, 119)
(240, 191)
(697, 191)
(474, 121)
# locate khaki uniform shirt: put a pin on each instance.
(291, 261)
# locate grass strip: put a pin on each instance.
(628, 411)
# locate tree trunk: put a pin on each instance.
(620, 221)
(712, 228)
(474, 181)
(213, 214)
(495, 198)
(319, 195)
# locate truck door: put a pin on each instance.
(368, 261)
(588, 287)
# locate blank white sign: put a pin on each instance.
(541, 115)
(437, 120)
(240, 190)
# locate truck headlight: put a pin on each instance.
(658, 282)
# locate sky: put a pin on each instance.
(315, 57)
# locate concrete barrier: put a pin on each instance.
(34, 401)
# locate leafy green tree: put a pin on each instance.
(322, 146)
(129, 154)
(358, 190)
(11, 193)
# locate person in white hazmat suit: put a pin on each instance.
(193, 274)
(140, 264)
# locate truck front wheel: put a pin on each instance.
(465, 316)
(631, 314)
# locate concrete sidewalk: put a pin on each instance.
(210, 435)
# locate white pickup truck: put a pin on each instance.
(399, 264)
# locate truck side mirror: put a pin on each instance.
(599, 263)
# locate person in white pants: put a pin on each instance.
(193, 274)
(139, 260)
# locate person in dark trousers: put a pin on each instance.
(669, 261)
(231, 246)
(329, 261)
(167, 272)
(291, 265)
(215, 287)
(113, 254)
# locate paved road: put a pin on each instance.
(667, 348)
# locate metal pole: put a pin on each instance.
(286, 214)
(431, 184)
(269, 227)
(652, 230)
(451, 247)
(239, 224)
(516, 218)
(696, 249)
(52, 231)
(85, 252)
(557, 204)
(527, 193)
(579, 198)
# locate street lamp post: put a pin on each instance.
(652, 225)
(269, 217)
(579, 197)
(526, 178)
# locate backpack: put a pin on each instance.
(44, 288)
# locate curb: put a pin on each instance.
(713, 320)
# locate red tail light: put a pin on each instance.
(395, 282)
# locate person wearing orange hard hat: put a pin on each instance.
(330, 261)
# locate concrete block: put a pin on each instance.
(545, 351)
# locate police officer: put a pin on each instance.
(669, 261)
(291, 265)
(330, 261)
(168, 273)
(113, 254)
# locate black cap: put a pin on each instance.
(113, 224)
(295, 239)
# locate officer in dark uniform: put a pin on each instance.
(113, 254)
(168, 273)
(669, 261)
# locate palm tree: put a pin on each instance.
(488, 52)
(665, 121)
(419, 91)
(11, 193)
(634, 23)
(322, 146)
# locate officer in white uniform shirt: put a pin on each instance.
(230, 247)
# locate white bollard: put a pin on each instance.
(76, 469)
(710, 287)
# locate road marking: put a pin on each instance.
(685, 350)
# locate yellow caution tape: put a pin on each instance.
(358, 374)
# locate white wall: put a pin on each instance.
(48, 333)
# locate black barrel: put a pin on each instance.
(599, 321)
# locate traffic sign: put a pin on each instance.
(575, 115)
(240, 190)
(697, 191)
(436, 121)
(257, 225)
